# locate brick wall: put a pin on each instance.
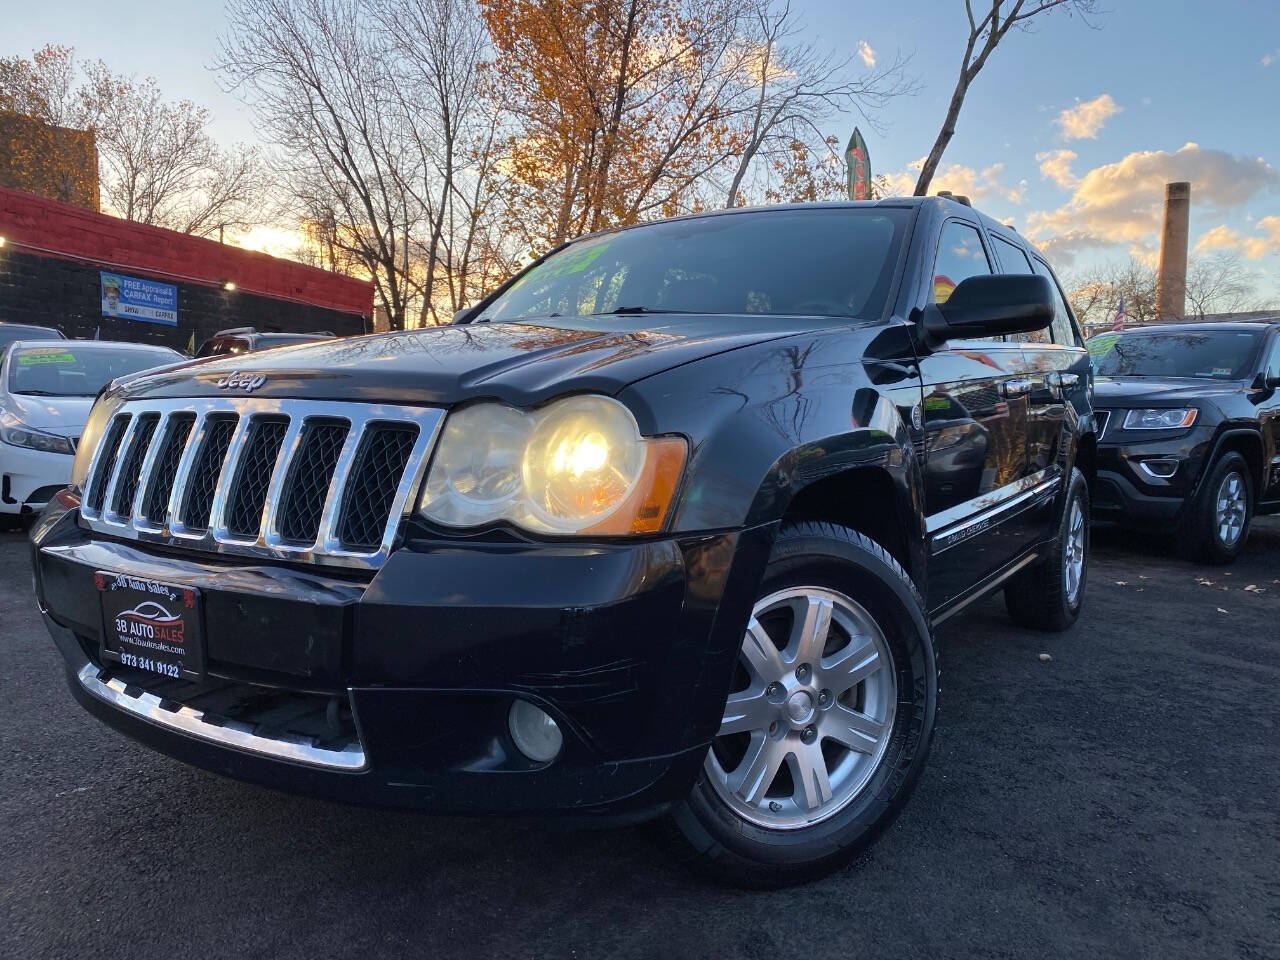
(78, 243)
(61, 293)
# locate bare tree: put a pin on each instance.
(157, 161)
(385, 139)
(43, 87)
(792, 87)
(1217, 284)
(985, 34)
(1221, 284)
(318, 81)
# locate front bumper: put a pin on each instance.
(1148, 478)
(630, 647)
(29, 478)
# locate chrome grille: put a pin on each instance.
(203, 478)
(97, 488)
(380, 461)
(302, 500)
(155, 507)
(253, 477)
(124, 486)
(290, 479)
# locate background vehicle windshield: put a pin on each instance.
(68, 370)
(835, 262)
(9, 332)
(1206, 354)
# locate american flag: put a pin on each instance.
(1118, 323)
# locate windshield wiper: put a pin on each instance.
(532, 316)
(639, 309)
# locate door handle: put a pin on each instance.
(1016, 387)
(1062, 381)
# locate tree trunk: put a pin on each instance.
(945, 134)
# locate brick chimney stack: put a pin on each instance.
(1171, 285)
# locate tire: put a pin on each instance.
(1048, 594)
(875, 635)
(1206, 540)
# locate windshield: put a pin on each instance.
(1202, 354)
(12, 332)
(835, 262)
(68, 370)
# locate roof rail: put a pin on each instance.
(233, 331)
(957, 197)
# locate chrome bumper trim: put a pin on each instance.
(225, 733)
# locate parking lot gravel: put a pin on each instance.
(1111, 791)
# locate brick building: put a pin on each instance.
(64, 266)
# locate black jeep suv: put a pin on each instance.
(1189, 430)
(662, 527)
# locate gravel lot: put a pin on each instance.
(1120, 799)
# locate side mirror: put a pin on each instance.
(460, 316)
(991, 306)
(1265, 381)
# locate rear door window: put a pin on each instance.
(1064, 330)
(1014, 260)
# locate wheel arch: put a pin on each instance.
(1247, 443)
(856, 498)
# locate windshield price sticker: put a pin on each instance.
(45, 356)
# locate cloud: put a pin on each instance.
(866, 54)
(1269, 58)
(1055, 165)
(1271, 226)
(1224, 238)
(1085, 121)
(978, 185)
(1121, 203)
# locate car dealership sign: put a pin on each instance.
(131, 298)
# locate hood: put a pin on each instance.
(1156, 392)
(521, 363)
(64, 416)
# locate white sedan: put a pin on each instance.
(46, 390)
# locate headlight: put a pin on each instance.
(1163, 418)
(104, 408)
(16, 433)
(577, 465)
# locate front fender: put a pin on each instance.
(767, 422)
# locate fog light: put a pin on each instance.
(537, 736)
(1161, 469)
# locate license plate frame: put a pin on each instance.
(151, 625)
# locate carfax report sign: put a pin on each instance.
(130, 298)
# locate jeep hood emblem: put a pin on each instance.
(235, 380)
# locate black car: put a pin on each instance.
(12, 332)
(1189, 430)
(249, 339)
(663, 527)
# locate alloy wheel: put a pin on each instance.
(1073, 561)
(1231, 509)
(811, 712)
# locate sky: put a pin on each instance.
(1069, 132)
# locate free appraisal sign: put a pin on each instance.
(131, 298)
